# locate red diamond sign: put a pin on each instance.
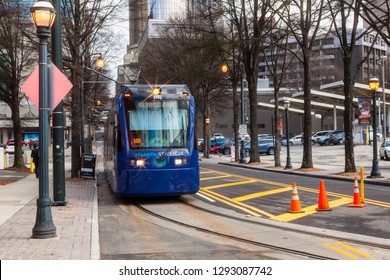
(60, 86)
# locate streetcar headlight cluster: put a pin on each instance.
(180, 161)
(138, 162)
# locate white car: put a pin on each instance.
(384, 150)
(297, 139)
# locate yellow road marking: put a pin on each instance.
(348, 247)
(227, 201)
(260, 194)
(273, 183)
(343, 199)
(353, 249)
(205, 172)
(215, 177)
(341, 251)
(287, 217)
(228, 185)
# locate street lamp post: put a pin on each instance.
(286, 105)
(207, 140)
(382, 62)
(43, 15)
(242, 149)
(375, 173)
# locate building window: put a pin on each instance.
(223, 126)
(260, 125)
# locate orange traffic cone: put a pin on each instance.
(323, 204)
(295, 206)
(356, 196)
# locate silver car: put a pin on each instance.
(384, 150)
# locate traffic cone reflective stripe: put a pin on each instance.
(356, 196)
(323, 204)
(295, 206)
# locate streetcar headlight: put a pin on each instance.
(140, 162)
(180, 161)
(156, 91)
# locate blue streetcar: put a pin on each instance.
(149, 147)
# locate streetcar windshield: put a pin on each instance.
(157, 123)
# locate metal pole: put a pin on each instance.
(44, 226)
(58, 118)
(375, 173)
(384, 100)
(82, 117)
(288, 160)
(242, 150)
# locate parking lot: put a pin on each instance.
(325, 157)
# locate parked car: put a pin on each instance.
(10, 146)
(337, 138)
(297, 139)
(264, 136)
(384, 150)
(317, 135)
(225, 148)
(266, 146)
(218, 141)
(214, 149)
(325, 140)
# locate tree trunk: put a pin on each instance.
(252, 88)
(348, 117)
(307, 161)
(277, 133)
(76, 125)
(16, 122)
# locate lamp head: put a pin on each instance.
(286, 104)
(100, 62)
(43, 14)
(224, 68)
(374, 84)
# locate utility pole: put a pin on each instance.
(58, 117)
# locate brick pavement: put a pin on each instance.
(74, 222)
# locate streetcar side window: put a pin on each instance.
(118, 136)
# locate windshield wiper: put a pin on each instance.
(164, 155)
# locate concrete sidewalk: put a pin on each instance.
(76, 223)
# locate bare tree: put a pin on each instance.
(250, 20)
(84, 21)
(188, 52)
(304, 19)
(16, 58)
(278, 59)
(376, 16)
(345, 23)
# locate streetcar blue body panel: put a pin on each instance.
(150, 142)
(159, 178)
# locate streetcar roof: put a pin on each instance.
(165, 89)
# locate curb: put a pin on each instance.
(321, 176)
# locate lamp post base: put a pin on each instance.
(44, 226)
